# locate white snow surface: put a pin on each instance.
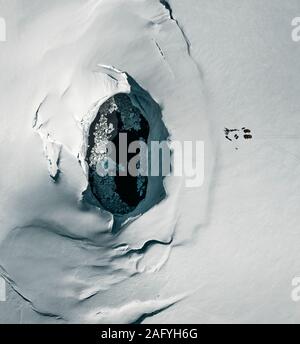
(222, 253)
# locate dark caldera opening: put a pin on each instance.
(118, 194)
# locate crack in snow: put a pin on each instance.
(168, 7)
(52, 148)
